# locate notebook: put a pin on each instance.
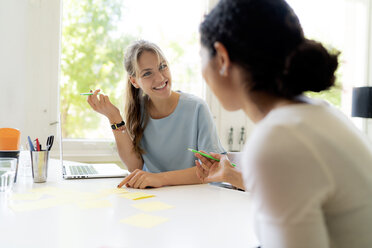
(73, 170)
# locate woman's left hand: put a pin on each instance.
(212, 171)
(140, 179)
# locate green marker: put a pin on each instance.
(88, 94)
(206, 155)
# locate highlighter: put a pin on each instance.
(88, 94)
(207, 156)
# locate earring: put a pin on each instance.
(222, 71)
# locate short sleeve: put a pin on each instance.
(208, 139)
(288, 187)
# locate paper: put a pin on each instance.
(46, 190)
(144, 220)
(152, 206)
(26, 196)
(47, 197)
(114, 191)
(35, 205)
(94, 204)
(136, 195)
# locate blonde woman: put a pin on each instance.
(160, 123)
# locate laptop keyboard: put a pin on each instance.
(83, 170)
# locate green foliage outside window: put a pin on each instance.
(92, 58)
(333, 95)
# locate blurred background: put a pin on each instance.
(52, 50)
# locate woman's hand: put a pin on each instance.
(102, 105)
(212, 171)
(140, 179)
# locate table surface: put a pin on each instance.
(202, 216)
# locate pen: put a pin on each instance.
(37, 145)
(88, 94)
(49, 143)
(30, 144)
(206, 155)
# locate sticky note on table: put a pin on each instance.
(114, 191)
(94, 204)
(26, 196)
(152, 206)
(144, 220)
(41, 204)
(136, 195)
(46, 190)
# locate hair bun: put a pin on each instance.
(309, 68)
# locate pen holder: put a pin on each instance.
(39, 162)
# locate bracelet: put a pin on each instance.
(116, 126)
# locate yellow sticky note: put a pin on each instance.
(95, 204)
(114, 191)
(144, 220)
(41, 204)
(26, 196)
(152, 206)
(136, 195)
(46, 190)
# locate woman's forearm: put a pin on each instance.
(125, 147)
(180, 177)
(126, 153)
(235, 178)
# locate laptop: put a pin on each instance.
(73, 170)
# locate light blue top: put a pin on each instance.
(166, 140)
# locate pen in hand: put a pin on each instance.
(207, 156)
(88, 94)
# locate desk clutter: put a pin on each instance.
(49, 197)
(40, 158)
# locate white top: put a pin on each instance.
(310, 173)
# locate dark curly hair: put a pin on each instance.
(265, 38)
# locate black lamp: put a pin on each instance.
(362, 102)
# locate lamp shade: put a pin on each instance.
(362, 102)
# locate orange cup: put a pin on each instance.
(9, 139)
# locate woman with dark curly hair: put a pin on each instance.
(309, 170)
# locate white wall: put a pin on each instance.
(29, 65)
(225, 120)
(368, 122)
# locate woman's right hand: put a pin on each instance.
(213, 171)
(102, 105)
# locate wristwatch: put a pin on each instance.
(117, 125)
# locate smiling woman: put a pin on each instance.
(160, 123)
(105, 28)
(95, 34)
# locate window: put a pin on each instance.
(95, 34)
(341, 25)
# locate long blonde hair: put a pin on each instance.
(136, 120)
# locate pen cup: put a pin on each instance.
(39, 163)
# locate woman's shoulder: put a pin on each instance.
(188, 99)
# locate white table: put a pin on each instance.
(203, 216)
